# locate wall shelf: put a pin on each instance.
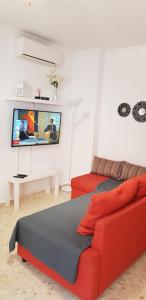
(32, 100)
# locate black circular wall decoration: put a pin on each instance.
(124, 109)
(139, 111)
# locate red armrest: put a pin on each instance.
(120, 238)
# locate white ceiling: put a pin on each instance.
(80, 24)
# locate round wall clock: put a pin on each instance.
(124, 109)
(139, 111)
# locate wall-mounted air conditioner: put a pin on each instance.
(34, 50)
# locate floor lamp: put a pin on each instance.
(74, 104)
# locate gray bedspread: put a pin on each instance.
(50, 235)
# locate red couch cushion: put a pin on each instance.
(141, 191)
(77, 193)
(88, 182)
(104, 204)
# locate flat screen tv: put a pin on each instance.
(33, 127)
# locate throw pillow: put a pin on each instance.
(131, 170)
(104, 204)
(107, 167)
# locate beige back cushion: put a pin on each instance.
(131, 170)
(106, 167)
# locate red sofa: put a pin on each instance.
(119, 239)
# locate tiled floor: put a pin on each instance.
(24, 282)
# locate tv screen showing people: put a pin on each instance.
(32, 127)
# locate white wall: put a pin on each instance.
(12, 71)
(86, 85)
(124, 81)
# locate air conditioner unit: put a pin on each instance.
(34, 50)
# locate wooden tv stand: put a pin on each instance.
(39, 174)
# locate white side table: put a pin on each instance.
(39, 174)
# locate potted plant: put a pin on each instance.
(55, 80)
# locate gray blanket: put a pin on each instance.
(50, 235)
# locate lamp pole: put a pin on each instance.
(74, 104)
